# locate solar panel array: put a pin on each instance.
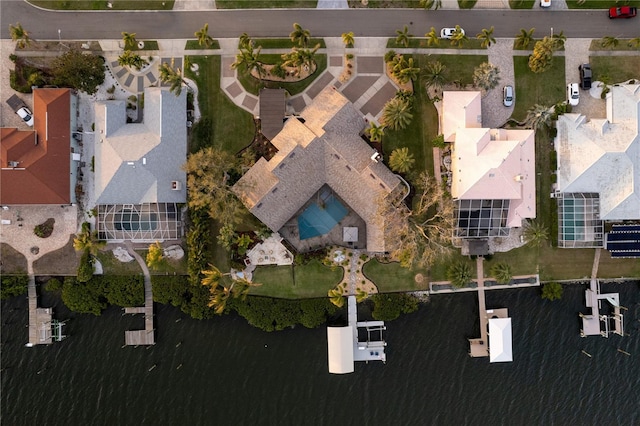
(624, 241)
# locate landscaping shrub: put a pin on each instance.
(199, 243)
(53, 285)
(121, 290)
(553, 160)
(13, 285)
(45, 229)
(85, 268)
(389, 306)
(84, 298)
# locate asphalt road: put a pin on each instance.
(92, 25)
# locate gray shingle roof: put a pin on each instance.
(137, 162)
(325, 149)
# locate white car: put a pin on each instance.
(449, 32)
(573, 94)
(26, 115)
(545, 3)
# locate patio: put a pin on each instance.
(269, 252)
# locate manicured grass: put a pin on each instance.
(265, 4)
(102, 4)
(381, 4)
(391, 277)
(424, 126)
(253, 85)
(112, 266)
(167, 266)
(623, 45)
(194, 45)
(420, 42)
(296, 282)
(600, 4)
(547, 88)
(229, 127)
(615, 68)
(521, 4)
(148, 45)
(284, 43)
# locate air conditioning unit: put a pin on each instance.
(518, 178)
(376, 156)
(176, 185)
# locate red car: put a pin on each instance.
(622, 12)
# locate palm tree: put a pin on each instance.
(403, 36)
(203, 36)
(88, 240)
(487, 37)
(634, 42)
(458, 38)
(336, 297)
(408, 71)
(20, 35)
(431, 4)
(172, 76)
(155, 255)
(435, 74)
(535, 233)
(502, 272)
(300, 35)
(245, 41)
(375, 132)
(130, 59)
(249, 59)
(401, 160)
(609, 41)
(459, 274)
(524, 39)
(129, 40)
(348, 39)
(558, 40)
(432, 37)
(211, 277)
(299, 58)
(397, 114)
(538, 116)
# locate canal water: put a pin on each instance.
(225, 372)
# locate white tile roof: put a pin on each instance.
(603, 155)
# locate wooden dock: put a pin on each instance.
(146, 336)
(39, 318)
(480, 347)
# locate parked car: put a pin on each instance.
(585, 76)
(625, 12)
(545, 3)
(449, 32)
(26, 115)
(573, 94)
(507, 96)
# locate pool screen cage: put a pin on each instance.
(147, 222)
(481, 218)
(579, 224)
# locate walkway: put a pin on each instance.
(480, 347)
(146, 336)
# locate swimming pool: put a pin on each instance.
(319, 219)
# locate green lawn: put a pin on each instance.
(547, 88)
(102, 4)
(424, 126)
(112, 266)
(296, 282)
(391, 277)
(194, 45)
(265, 4)
(284, 43)
(420, 42)
(167, 266)
(228, 126)
(253, 85)
(600, 4)
(623, 45)
(521, 4)
(615, 68)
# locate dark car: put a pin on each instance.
(622, 12)
(585, 76)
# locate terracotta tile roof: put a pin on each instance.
(42, 175)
